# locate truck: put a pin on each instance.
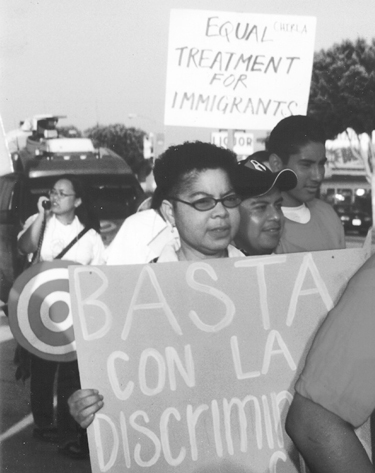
(44, 155)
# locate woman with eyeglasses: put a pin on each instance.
(67, 216)
(196, 195)
(60, 219)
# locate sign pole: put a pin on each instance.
(230, 144)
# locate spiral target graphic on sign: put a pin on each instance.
(40, 315)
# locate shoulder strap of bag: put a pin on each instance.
(73, 242)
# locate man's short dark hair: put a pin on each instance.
(293, 132)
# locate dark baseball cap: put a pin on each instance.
(254, 178)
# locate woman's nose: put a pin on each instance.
(220, 209)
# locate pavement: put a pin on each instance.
(19, 451)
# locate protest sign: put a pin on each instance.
(237, 70)
(197, 361)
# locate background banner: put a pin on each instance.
(197, 361)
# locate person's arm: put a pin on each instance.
(28, 241)
(327, 443)
(83, 404)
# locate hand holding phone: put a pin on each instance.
(46, 204)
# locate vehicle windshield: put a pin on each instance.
(110, 197)
(112, 202)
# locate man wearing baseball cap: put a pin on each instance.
(262, 220)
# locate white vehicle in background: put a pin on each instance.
(114, 190)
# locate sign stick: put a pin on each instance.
(230, 144)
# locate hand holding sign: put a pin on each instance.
(206, 397)
(83, 404)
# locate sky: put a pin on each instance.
(105, 61)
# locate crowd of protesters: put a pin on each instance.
(208, 205)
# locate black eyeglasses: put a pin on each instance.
(59, 194)
(208, 203)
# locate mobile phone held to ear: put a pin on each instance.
(46, 204)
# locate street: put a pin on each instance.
(21, 452)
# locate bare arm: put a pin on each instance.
(28, 241)
(327, 443)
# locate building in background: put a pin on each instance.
(348, 176)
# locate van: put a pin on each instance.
(114, 191)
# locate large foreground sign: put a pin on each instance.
(237, 70)
(197, 361)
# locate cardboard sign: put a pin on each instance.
(197, 361)
(237, 70)
(39, 311)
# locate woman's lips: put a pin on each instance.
(221, 230)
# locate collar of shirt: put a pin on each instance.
(164, 234)
(299, 214)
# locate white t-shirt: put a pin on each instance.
(89, 249)
(140, 239)
(299, 214)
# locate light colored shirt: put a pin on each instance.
(299, 214)
(169, 252)
(89, 249)
(324, 231)
(140, 239)
(340, 368)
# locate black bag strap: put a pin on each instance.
(73, 242)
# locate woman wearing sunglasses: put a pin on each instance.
(52, 234)
(196, 195)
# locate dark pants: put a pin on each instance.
(43, 374)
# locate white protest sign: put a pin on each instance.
(237, 70)
(243, 141)
(197, 361)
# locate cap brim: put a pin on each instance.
(254, 183)
(285, 180)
